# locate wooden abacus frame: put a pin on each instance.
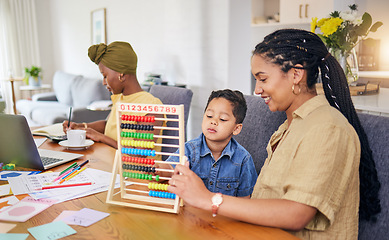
(136, 199)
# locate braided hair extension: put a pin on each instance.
(288, 47)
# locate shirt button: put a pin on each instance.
(211, 183)
(228, 186)
(214, 165)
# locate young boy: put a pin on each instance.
(220, 161)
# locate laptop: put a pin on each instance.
(17, 146)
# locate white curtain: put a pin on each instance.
(19, 46)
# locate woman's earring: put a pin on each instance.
(293, 90)
(120, 78)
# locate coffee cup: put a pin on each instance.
(76, 137)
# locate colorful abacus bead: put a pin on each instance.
(140, 176)
(158, 186)
(162, 194)
(135, 151)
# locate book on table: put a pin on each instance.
(54, 132)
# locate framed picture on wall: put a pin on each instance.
(99, 33)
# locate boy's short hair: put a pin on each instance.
(237, 100)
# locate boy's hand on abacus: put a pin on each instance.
(186, 184)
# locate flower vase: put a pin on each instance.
(349, 62)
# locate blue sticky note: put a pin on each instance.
(51, 231)
(13, 236)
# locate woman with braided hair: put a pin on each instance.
(319, 177)
(117, 63)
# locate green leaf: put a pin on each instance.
(375, 26)
(364, 27)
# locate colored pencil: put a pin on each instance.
(61, 174)
(72, 175)
(65, 185)
(75, 163)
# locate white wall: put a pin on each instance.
(378, 9)
(202, 43)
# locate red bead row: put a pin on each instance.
(138, 118)
(140, 160)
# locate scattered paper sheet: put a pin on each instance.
(50, 231)
(63, 215)
(6, 175)
(5, 190)
(85, 217)
(13, 236)
(7, 202)
(5, 227)
(39, 141)
(25, 209)
(28, 184)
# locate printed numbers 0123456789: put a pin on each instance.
(148, 108)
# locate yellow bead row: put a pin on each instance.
(158, 186)
(134, 143)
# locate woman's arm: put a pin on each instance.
(267, 212)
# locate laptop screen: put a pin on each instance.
(17, 145)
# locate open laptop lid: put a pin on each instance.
(17, 144)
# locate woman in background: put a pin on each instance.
(319, 176)
(117, 63)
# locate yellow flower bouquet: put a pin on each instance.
(344, 30)
(341, 32)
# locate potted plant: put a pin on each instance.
(32, 76)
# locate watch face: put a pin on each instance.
(217, 199)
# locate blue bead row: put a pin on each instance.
(136, 151)
(162, 194)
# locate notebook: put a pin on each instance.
(17, 146)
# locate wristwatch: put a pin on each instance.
(217, 200)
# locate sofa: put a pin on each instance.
(260, 123)
(69, 90)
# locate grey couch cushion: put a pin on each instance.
(84, 91)
(377, 130)
(62, 83)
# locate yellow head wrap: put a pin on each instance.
(118, 56)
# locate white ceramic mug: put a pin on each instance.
(76, 137)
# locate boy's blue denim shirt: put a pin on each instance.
(233, 174)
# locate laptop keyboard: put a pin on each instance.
(49, 160)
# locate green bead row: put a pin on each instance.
(138, 135)
(140, 176)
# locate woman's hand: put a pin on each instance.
(72, 125)
(186, 184)
(94, 135)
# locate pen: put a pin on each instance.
(65, 185)
(82, 164)
(70, 115)
(72, 175)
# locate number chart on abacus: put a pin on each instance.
(142, 132)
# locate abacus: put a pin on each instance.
(134, 163)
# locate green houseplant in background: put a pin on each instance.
(32, 76)
(341, 32)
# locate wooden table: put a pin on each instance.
(130, 223)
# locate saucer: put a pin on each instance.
(87, 144)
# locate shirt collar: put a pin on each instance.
(310, 105)
(228, 150)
